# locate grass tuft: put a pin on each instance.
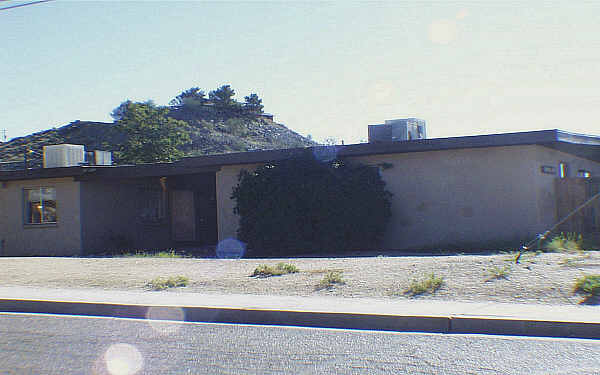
(589, 284)
(429, 284)
(264, 270)
(331, 279)
(324, 270)
(566, 243)
(496, 272)
(162, 283)
(573, 261)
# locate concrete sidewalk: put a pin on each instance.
(332, 312)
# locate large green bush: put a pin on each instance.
(305, 205)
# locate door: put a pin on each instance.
(183, 215)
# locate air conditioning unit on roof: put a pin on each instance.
(406, 129)
(65, 155)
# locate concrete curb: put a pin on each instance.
(380, 322)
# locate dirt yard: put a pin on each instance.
(543, 279)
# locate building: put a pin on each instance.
(448, 192)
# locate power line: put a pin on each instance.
(22, 5)
(3, 138)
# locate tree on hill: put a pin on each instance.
(253, 103)
(118, 112)
(152, 136)
(223, 96)
(190, 97)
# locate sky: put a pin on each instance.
(327, 69)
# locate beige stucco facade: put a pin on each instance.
(456, 198)
(18, 238)
(453, 198)
(472, 197)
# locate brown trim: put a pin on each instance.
(584, 146)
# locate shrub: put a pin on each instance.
(279, 269)
(566, 242)
(589, 284)
(162, 283)
(303, 204)
(235, 126)
(330, 280)
(430, 284)
(496, 272)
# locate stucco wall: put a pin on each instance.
(110, 219)
(227, 179)
(454, 198)
(62, 238)
(459, 198)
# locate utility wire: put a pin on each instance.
(22, 5)
(543, 236)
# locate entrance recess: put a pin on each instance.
(193, 209)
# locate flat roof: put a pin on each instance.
(585, 146)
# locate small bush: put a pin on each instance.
(430, 285)
(589, 284)
(162, 283)
(330, 280)
(566, 242)
(496, 272)
(264, 270)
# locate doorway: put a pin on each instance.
(193, 202)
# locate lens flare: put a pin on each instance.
(443, 31)
(230, 248)
(123, 359)
(157, 316)
(325, 153)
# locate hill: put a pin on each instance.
(208, 136)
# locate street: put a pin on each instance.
(49, 344)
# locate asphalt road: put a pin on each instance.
(47, 344)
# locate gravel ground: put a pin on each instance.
(541, 279)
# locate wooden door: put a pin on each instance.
(183, 215)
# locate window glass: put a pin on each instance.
(40, 206)
(151, 203)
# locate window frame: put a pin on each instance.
(26, 206)
(151, 203)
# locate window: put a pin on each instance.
(151, 203)
(583, 173)
(40, 205)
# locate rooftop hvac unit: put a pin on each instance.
(98, 157)
(65, 155)
(406, 129)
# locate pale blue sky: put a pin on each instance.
(325, 69)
